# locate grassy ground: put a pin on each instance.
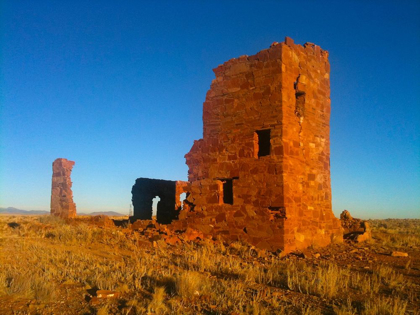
(48, 266)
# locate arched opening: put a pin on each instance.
(155, 202)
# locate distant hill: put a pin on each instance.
(108, 213)
(11, 210)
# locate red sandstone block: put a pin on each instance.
(263, 55)
(288, 41)
(219, 70)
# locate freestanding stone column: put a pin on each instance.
(62, 204)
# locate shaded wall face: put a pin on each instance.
(145, 190)
(266, 135)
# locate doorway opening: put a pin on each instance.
(155, 202)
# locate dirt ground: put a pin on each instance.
(91, 266)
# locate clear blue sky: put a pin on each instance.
(118, 87)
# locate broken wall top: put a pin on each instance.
(61, 163)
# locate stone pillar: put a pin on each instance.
(62, 204)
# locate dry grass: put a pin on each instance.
(397, 233)
(49, 267)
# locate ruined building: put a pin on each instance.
(62, 204)
(145, 189)
(261, 173)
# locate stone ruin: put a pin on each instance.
(261, 173)
(145, 189)
(62, 204)
(355, 229)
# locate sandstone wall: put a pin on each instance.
(62, 204)
(277, 196)
(306, 144)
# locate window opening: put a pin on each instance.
(225, 190)
(182, 198)
(226, 193)
(262, 145)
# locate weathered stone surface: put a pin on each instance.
(261, 173)
(62, 204)
(355, 229)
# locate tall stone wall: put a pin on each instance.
(62, 204)
(261, 172)
(306, 146)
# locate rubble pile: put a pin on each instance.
(354, 229)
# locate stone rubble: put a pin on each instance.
(102, 221)
(355, 229)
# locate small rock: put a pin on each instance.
(299, 254)
(103, 294)
(399, 254)
(155, 238)
(144, 244)
(102, 221)
(13, 225)
(191, 234)
(363, 237)
(94, 301)
(172, 240)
